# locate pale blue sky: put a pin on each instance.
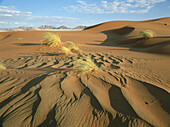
(14, 13)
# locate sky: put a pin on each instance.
(71, 13)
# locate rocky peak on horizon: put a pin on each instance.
(42, 27)
(47, 27)
(80, 27)
(63, 27)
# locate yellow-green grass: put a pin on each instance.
(85, 65)
(66, 50)
(2, 66)
(19, 38)
(147, 33)
(72, 46)
(51, 40)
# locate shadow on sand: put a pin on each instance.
(26, 44)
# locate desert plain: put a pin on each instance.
(41, 88)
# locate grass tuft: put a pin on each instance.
(72, 46)
(85, 65)
(147, 33)
(51, 40)
(66, 51)
(19, 38)
(2, 66)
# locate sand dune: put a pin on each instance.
(41, 88)
(129, 36)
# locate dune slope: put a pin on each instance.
(129, 36)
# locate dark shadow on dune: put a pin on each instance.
(3, 103)
(36, 54)
(117, 122)
(116, 38)
(36, 103)
(94, 102)
(119, 103)
(32, 83)
(49, 70)
(136, 40)
(50, 120)
(93, 44)
(90, 27)
(6, 37)
(162, 37)
(123, 30)
(162, 96)
(119, 40)
(129, 42)
(26, 44)
(50, 54)
(119, 49)
(1, 122)
(106, 45)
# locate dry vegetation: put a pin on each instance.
(51, 40)
(66, 50)
(2, 66)
(85, 65)
(72, 46)
(19, 38)
(147, 33)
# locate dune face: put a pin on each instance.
(41, 87)
(129, 36)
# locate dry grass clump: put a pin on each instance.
(147, 33)
(2, 66)
(85, 65)
(66, 50)
(19, 38)
(72, 46)
(51, 40)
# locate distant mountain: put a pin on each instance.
(28, 28)
(80, 27)
(47, 27)
(43, 27)
(63, 27)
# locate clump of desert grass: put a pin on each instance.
(51, 40)
(147, 33)
(85, 65)
(2, 66)
(19, 38)
(66, 51)
(72, 46)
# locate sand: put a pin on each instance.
(41, 88)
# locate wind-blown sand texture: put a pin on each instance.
(41, 88)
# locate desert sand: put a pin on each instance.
(41, 88)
